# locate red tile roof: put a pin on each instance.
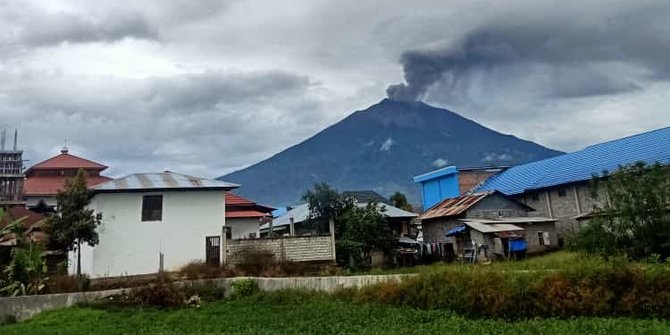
(18, 212)
(234, 199)
(245, 214)
(239, 207)
(66, 161)
(31, 221)
(49, 186)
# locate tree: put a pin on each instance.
(73, 223)
(635, 218)
(399, 200)
(358, 230)
(325, 203)
(365, 229)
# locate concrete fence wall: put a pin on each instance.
(24, 307)
(296, 249)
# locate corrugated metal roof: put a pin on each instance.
(300, 213)
(161, 181)
(366, 196)
(512, 220)
(649, 147)
(492, 228)
(453, 206)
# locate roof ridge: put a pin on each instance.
(621, 138)
(67, 154)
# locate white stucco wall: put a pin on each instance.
(129, 246)
(242, 227)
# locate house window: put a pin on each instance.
(152, 208)
(561, 192)
(543, 238)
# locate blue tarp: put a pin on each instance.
(518, 245)
(456, 231)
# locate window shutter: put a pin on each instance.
(545, 236)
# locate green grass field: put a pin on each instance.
(295, 313)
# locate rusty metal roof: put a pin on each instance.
(454, 206)
(162, 181)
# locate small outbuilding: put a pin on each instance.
(244, 217)
(487, 225)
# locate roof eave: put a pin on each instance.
(166, 189)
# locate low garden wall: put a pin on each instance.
(24, 307)
(294, 249)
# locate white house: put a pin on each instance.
(147, 215)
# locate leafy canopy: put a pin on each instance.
(358, 229)
(73, 223)
(399, 200)
(634, 219)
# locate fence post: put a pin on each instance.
(161, 262)
(331, 227)
(224, 245)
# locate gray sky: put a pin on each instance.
(207, 87)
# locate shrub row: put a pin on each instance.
(613, 289)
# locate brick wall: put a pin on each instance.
(296, 249)
(533, 239)
(562, 203)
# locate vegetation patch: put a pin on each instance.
(306, 313)
(594, 288)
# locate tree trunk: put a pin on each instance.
(80, 282)
(78, 258)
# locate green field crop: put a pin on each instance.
(304, 313)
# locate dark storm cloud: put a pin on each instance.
(582, 51)
(203, 123)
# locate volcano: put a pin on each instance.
(381, 148)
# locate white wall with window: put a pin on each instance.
(244, 227)
(138, 226)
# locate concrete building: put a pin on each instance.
(487, 225)
(558, 187)
(149, 218)
(11, 173)
(45, 179)
(244, 217)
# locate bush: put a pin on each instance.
(160, 295)
(201, 270)
(245, 288)
(606, 290)
(254, 262)
(68, 283)
(207, 292)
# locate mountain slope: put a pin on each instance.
(381, 148)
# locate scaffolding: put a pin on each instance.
(11, 172)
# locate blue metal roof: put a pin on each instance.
(649, 147)
(435, 174)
